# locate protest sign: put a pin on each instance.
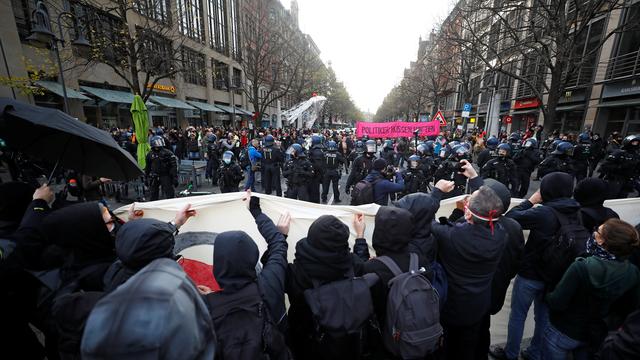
(397, 129)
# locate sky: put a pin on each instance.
(369, 43)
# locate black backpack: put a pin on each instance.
(244, 327)
(568, 243)
(412, 328)
(244, 158)
(362, 193)
(341, 307)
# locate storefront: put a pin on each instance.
(525, 113)
(570, 111)
(619, 109)
(110, 107)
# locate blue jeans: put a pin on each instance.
(526, 291)
(251, 179)
(558, 346)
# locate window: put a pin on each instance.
(626, 63)
(193, 67)
(22, 14)
(220, 74)
(235, 34)
(218, 37)
(586, 54)
(156, 55)
(191, 19)
(104, 32)
(533, 72)
(158, 10)
(237, 80)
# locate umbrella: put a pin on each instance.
(141, 122)
(54, 136)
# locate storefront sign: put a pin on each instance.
(527, 103)
(621, 89)
(571, 96)
(507, 119)
(160, 87)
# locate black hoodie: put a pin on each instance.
(138, 243)
(591, 194)
(423, 207)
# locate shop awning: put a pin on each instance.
(525, 111)
(570, 107)
(237, 111)
(205, 106)
(620, 103)
(243, 111)
(56, 88)
(171, 102)
(113, 96)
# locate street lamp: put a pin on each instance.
(41, 36)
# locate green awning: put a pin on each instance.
(248, 113)
(237, 111)
(570, 107)
(56, 88)
(205, 106)
(110, 95)
(171, 102)
(621, 103)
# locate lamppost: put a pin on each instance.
(41, 36)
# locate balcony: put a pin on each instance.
(624, 66)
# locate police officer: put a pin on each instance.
(597, 153)
(316, 156)
(414, 178)
(582, 156)
(333, 161)
(161, 170)
(388, 152)
(213, 159)
(450, 168)
(427, 162)
(501, 168)
(621, 168)
(558, 160)
(515, 141)
(230, 174)
(298, 171)
(488, 152)
(272, 160)
(361, 165)
(526, 161)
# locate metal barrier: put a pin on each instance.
(191, 172)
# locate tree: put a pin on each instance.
(547, 45)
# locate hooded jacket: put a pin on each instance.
(138, 243)
(587, 290)
(322, 256)
(591, 194)
(383, 187)
(556, 190)
(157, 314)
(469, 255)
(625, 343)
(423, 207)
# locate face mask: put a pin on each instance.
(596, 250)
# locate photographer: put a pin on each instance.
(450, 169)
(380, 176)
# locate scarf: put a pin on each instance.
(596, 250)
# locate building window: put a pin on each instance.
(156, 54)
(625, 62)
(191, 19)
(235, 33)
(220, 75)
(218, 37)
(104, 32)
(22, 14)
(237, 80)
(158, 10)
(193, 67)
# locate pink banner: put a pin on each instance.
(397, 129)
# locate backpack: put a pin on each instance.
(342, 307)
(568, 243)
(243, 159)
(244, 327)
(362, 193)
(412, 328)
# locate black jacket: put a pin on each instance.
(423, 207)
(625, 343)
(469, 255)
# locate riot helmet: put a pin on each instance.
(156, 142)
(563, 148)
(445, 151)
(459, 152)
(414, 162)
(360, 147)
(584, 138)
(422, 150)
(631, 142)
(504, 150)
(514, 137)
(554, 145)
(388, 144)
(212, 138)
(431, 145)
(371, 146)
(296, 150)
(227, 157)
(492, 143)
(531, 143)
(316, 140)
(332, 146)
(268, 141)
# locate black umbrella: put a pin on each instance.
(54, 136)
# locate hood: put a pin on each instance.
(324, 253)
(15, 197)
(423, 208)
(610, 278)
(80, 228)
(565, 205)
(157, 314)
(591, 192)
(556, 185)
(235, 256)
(141, 241)
(502, 191)
(393, 230)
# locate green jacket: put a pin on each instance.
(587, 290)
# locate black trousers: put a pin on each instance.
(581, 170)
(228, 189)
(167, 188)
(331, 177)
(212, 170)
(271, 179)
(524, 178)
(300, 192)
(314, 190)
(462, 342)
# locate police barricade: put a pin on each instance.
(125, 191)
(191, 172)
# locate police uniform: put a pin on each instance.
(504, 170)
(298, 171)
(161, 170)
(229, 177)
(333, 162)
(272, 159)
(316, 156)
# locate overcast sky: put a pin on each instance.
(369, 42)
